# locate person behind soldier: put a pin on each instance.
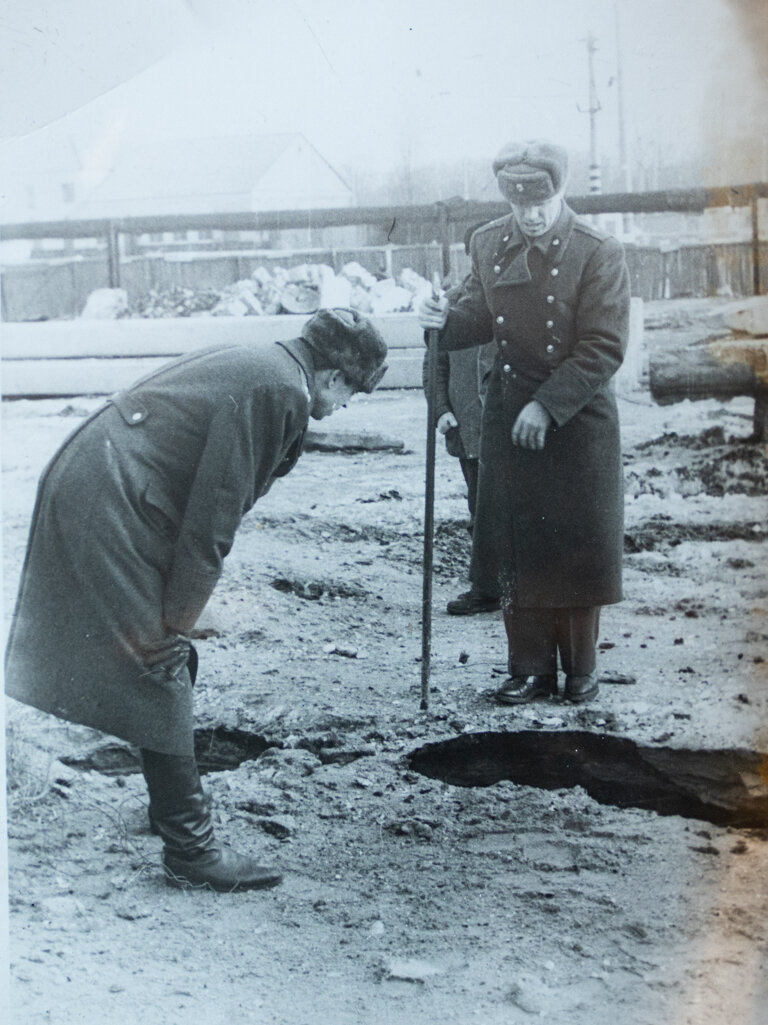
(553, 292)
(460, 382)
(134, 516)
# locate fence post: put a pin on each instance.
(756, 282)
(113, 255)
(444, 234)
(760, 416)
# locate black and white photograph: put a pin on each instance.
(384, 533)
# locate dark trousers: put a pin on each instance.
(470, 469)
(536, 636)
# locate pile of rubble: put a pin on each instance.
(301, 289)
(175, 302)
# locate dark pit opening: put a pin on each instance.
(223, 748)
(724, 787)
(216, 749)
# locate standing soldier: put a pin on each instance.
(461, 380)
(554, 294)
(134, 516)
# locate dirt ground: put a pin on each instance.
(408, 895)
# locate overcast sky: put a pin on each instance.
(375, 83)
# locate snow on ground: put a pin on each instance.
(407, 897)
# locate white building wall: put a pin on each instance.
(300, 180)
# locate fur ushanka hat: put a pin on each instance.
(343, 339)
(531, 172)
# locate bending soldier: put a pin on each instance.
(134, 516)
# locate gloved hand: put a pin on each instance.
(446, 421)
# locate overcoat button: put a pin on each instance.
(503, 341)
(550, 323)
(499, 320)
(497, 269)
(507, 368)
(519, 187)
(550, 348)
(136, 416)
(550, 298)
(554, 272)
(505, 239)
(555, 241)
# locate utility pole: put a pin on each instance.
(595, 176)
(626, 169)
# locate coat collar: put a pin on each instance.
(512, 237)
(299, 351)
(515, 245)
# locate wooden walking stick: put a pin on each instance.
(429, 507)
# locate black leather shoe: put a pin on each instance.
(519, 690)
(471, 602)
(579, 689)
(217, 868)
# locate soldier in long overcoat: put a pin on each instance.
(461, 378)
(554, 294)
(134, 516)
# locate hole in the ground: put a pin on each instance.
(223, 748)
(216, 749)
(724, 787)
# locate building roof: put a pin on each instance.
(203, 175)
(194, 175)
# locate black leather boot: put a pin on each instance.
(192, 856)
(193, 661)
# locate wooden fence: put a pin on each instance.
(58, 290)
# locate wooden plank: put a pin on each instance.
(65, 378)
(99, 357)
(172, 336)
(350, 441)
(36, 378)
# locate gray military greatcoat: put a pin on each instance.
(133, 518)
(461, 377)
(549, 521)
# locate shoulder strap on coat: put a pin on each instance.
(131, 408)
(588, 229)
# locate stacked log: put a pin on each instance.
(722, 367)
